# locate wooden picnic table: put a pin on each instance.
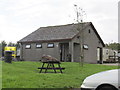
(51, 65)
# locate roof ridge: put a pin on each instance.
(57, 25)
(64, 25)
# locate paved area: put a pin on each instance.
(112, 64)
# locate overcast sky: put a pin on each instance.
(19, 18)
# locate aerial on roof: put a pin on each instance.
(61, 32)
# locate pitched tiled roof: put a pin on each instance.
(57, 33)
(62, 32)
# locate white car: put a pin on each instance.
(107, 80)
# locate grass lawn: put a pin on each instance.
(26, 75)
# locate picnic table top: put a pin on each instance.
(50, 61)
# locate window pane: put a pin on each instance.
(85, 46)
(38, 45)
(50, 45)
(28, 46)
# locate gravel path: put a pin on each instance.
(111, 64)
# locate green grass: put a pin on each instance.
(26, 75)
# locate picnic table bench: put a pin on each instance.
(50, 65)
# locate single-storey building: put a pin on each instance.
(64, 43)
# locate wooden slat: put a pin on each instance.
(49, 68)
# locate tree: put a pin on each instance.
(11, 44)
(3, 46)
(17, 45)
(80, 13)
(114, 46)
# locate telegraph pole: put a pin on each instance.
(80, 13)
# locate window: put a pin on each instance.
(89, 30)
(106, 52)
(50, 45)
(38, 45)
(28, 46)
(99, 42)
(85, 46)
(78, 37)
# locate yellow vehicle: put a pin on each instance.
(12, 49)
